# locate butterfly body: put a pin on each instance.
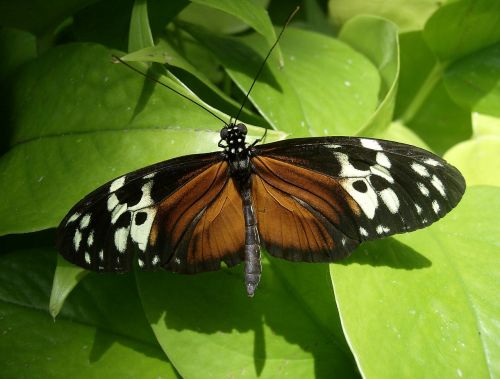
(308, 199)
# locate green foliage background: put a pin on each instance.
(423, 304)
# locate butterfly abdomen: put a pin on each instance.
(253, 267)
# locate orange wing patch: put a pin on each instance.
(201, 224)
(299, 212)
(220, 231)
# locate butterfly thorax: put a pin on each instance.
(235, 149)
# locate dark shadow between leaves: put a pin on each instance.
(387, 252)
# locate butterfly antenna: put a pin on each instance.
(265, 59)
(119, 60)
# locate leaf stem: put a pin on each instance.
(423, 93)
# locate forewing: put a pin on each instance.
(106, 228)
(356, 188)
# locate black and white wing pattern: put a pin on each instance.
(125, 219)
(328, 194)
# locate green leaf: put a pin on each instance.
(474, 81)
(66, 277)
(423, 102)
(16, 48)
(462, 27)
(78, 121)
(407, 15)
(108, 22)
(377, 39)
(484, 125)
(424, 304)
(90, 338)
(165, 52)
(477, 160)
(140, 35)
(400, 133)
(251, 13)
(290, 328)
(290, 99)
(217, 20)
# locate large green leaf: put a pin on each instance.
(250, 12)
(77, 121)
(474, 81)
(207, 324)
(478, 160)
(423, 103)
(407, 15)
(424, 304)
(463, 27)
(325, 87)
(90, 339)
(377, 39)
(218, 20)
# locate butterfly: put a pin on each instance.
(307, 199)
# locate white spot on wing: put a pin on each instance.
(419, 209)
(73, 218)
(432, 162)
(423, 189)
(117, 212)
(141, 263)
(117, 184)
(382, 171)
(156, 260)
(370, 144)
(333, 146)
(435, 207)
(77, 238)
(363, 232)
(390, 199)
(438, 184)
(146, 200)
(347, 169)
(382, 229)
(150, 176)
(121, 236)
(112, 202)
(87, 258)
(382, 160)
(140, 233)
(367, 201)
(101, 255)
(85, 221)
(419, 169)
(90, 239)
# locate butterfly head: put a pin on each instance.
(234, 137)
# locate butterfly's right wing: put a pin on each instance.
(317, 198)
(163, 214)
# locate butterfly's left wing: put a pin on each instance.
(184, 215)
(316, 199)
